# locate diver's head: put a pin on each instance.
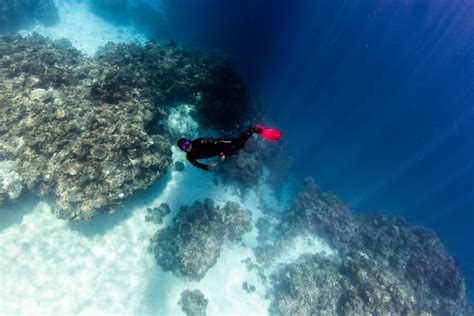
(184, 144)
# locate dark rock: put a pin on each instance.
(193, 303)
(191, 245)
(249, 288)
(179, 166)
(156, 214)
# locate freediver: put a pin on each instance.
(206, 147)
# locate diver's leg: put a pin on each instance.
(232, 146)
(244, 137)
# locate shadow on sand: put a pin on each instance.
(13, 212)
(104, 221)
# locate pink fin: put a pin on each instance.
(269, 133)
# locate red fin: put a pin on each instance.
(269, 133)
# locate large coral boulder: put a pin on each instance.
(191, 245)
(92, 131)
(379, 264)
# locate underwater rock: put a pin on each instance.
(90, 155)
(193, 303)
(11, 185)
(191, 245)
(15, 14)
(314, 284)
(321, 212)
(167, 74)
(156, 214)
(249, 288)
(309, 286)
(92, 131)
(382, 265)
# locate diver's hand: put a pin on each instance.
(212, 165)
(222, 156)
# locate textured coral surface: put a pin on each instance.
(91, 131)
(384, 265)
(191, 245)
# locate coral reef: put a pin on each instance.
(87, 154)
(11, 185)
(15, 14)
(191, 245)
(156, 214)
(92, 131)
(169, 74)
(193, 303)
(321, 212)
(382, 266)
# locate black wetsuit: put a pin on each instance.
(210, 147)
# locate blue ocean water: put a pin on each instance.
(376, 98)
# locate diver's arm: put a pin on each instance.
(197, 163)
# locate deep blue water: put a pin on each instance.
(376, 98)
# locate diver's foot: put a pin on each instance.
(257, 129)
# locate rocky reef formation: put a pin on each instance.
(191, 245)
(193, 303)
(90, 131)
(168, 74)
(15, 14)
(11, 185)
(382, 264)
(156, 214)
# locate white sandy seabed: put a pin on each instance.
(51, 267)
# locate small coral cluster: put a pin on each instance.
(193, 303)
(156, 214)
(91, 131)
(15, 14)
(191, 245)
(384, 265)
